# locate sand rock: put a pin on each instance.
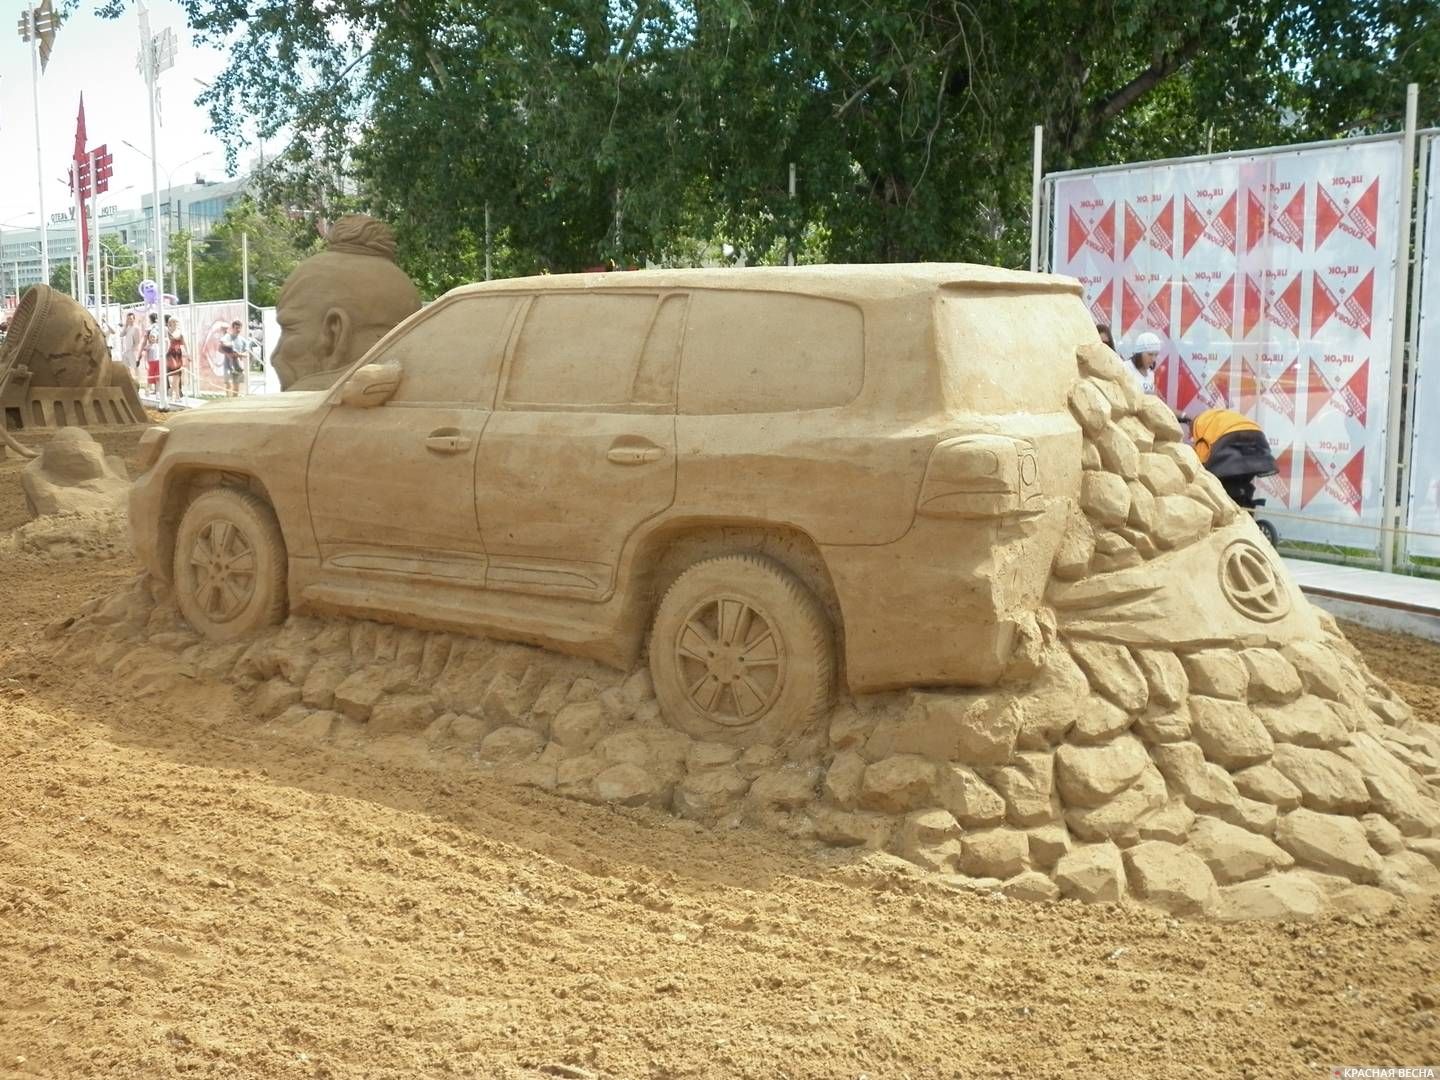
(1229, 733)
(706, 795)
(626, 784)
(1327, 781)
(1104, 498)
(843, 779)
(1028, 788)
(1118, 453)
(1093, 874)
(973, 802)
(1165, 727)
(845, 828)
(1089, 406)
(1316, 666)
(788, 788)
(1289, 897)
(1384, 837)
(1216, 673)
(1409, 873)
(1169, 877)
(1165, 675)
(1429, 848)
(1118, 819)
(1156, 416)
(1183, 457)
(1077, 548)
(1032, 886)
(1098, 720)
(1272, 678)
(358, 693)
(1267, 784)
(710, 755)
(579, 725)
(72, 475)
(1308, 721)
(1204, 785)
(977, 729)
(997, 853)
(1171, 822)
(898, 784)
(930, 838)
(1393, 788)
(1333, 844)
(1235, 854)
(402, 713)
(508, 745)
(1159, 472)
(273, 698)
(1180, 520)
(1089, 775)
(849, 730)
(1113, 672)
(1048, 843)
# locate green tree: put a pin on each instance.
(61, 278)
(648, 129)
(277, 240)
(123, 269)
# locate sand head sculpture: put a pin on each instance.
(338, 303)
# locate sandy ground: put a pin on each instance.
(185, 893)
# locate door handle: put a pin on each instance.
(448, 441)
(633, 451)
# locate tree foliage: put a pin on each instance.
(276, 241)
(661, 129)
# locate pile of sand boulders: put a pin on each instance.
(1235, 763)
(76, 495)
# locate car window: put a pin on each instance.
(580, 349)
(660, 359)
(770, 352)
(453, 353)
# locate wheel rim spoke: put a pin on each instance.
(744, 688)
(696, 645)
(731, 659)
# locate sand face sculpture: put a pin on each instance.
(885, 558)
(338, 303)
(60, 371)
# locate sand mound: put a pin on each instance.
(1258, 783)
(70, 536)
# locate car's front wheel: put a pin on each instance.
(230, 565)
(741, 652)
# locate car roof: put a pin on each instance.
(862, 281)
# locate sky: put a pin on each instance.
(97, 56)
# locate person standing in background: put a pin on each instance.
(131, 340)
(174, 355)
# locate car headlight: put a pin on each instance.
(151, 443)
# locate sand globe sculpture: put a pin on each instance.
(338, 303)
(59, 369)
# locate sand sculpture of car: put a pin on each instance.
(775, 477)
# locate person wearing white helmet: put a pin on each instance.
(1143, 356)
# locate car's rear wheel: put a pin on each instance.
(230, 565)
(741, 652)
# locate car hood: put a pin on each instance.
(261, 407)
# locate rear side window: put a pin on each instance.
(581, 349)
(752, 352)
(452, 354)
(1010, 352)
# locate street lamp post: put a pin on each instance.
(38, 26)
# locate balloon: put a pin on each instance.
(149, 291)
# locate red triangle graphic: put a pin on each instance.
(1187, 389)
(1327, 215)
(1255, 212)
(1102, 239)
(1320, 392)
(1161, 238)
(1101, 305)
(1279, 395)
(1284, 310)
(1220, 312)
(1131, 308)
(1312, 478)
(1222, 226)
(1277, 487)
(1157, 311)
(1353, 396)
(1361, 221)
(1194, 226)
(1077, 234)
(1356, 310)
(1134, 229)
(1190, 308)
(1162, 377)
(1323, 303)
(1348, 481)
(1289, 225)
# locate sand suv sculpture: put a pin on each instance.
(56, 371)
(774, 477)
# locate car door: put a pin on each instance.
(392, 487)
(580, 450)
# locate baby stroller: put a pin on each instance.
(1234, 449)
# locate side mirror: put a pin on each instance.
(371, 385)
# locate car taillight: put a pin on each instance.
(980, 476)
(151, 443)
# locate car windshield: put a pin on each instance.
(1010, 352)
